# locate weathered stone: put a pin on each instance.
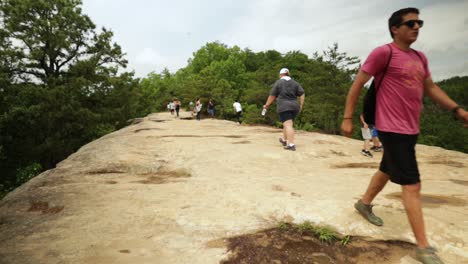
(159, 192)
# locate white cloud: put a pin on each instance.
(158, 34)
(147, 56)
(148, 60)
(444, 38)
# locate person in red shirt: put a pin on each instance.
(398, 110)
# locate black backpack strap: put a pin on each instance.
(386, 66)
(419, 56)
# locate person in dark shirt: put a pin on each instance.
(286, 91)
(211, 110)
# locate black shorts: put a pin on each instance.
(399, 157)
(287, 115)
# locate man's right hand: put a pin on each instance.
(347, 127)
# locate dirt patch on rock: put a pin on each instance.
(461, 182)
(145, 129)
(218, 243)
(266, 130)
(44, 208)
(338, 153)
(366, 165)
(242, 142)
(325, 142)
(287, 246)
(198, 136)
(110, 169)
(446, 162)
(431, 200)
(111, 182)
(277, 188)
(163, 176)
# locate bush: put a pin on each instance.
(251, 115)
(307, 127)
(25, 174)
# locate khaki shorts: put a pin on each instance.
(366, 133)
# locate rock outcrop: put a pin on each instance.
(169, 190)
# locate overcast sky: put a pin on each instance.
(156, 34)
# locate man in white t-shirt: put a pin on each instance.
(198, 109)
(172, 107)
(238, 109)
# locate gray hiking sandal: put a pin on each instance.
(428, 256)
(366, 212)
(290, 147)
(283, 142)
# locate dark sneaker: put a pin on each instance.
(366, 153)
(366, 212)
(376, 149)
(290, 147)
(283, 142)
(428, 256)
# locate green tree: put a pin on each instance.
(227, 73)
(60, 80)
(437, 125)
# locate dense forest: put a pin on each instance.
(63, 84)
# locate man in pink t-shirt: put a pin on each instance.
(402, 84)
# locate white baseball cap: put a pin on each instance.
(284, 71)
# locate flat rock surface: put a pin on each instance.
(168, 190)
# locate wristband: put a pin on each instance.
(347, 118)
(455, 111)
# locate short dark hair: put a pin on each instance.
(397, 17)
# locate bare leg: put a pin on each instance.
(377, 183)
(366, 144)
(376, 142)
(288, 131)
(412, 202)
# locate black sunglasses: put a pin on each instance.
(411, 23)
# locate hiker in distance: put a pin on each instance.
(367, 136)
(211, 110)
(286, 91)
(398, 107)
(369, 133)
(238, 109)
(177, 104)
(198, 109)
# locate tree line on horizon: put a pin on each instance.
(63, 84)
(225, 74)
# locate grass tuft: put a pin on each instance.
(323, 233)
